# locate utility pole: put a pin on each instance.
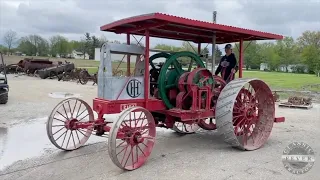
(214, 19)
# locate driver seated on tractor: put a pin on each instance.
(227, 64)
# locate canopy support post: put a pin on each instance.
(128, 57)
(213, 50)
(199, 49)
(146, 68)
(241, 58)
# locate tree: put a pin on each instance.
(10, 38)
(3, 48)
(218, 53)
(59, 45)
(309, 47)
(186, 46)
(309, 38)
(167, 47)
(310, 55)
(34, 45)
(251, 56)
(75, 45)
(269, 56)
(82, 47)
(285, 48)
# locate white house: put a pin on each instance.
(282, 68)
(79, 55)
(264, 66)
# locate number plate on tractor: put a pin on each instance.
(126, 106)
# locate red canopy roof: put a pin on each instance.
(179, 28)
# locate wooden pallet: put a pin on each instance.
(296, 106)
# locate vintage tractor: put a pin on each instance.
(4, 87)
(179, 94)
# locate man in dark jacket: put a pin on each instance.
(227, 63)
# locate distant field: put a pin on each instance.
(279, 80)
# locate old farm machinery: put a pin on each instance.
(170, 95)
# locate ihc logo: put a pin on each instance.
(298, 158)
(134, 88)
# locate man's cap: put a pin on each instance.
(228, 46)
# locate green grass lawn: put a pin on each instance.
(280, 80)
(115, 65)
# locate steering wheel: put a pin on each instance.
(155, 70)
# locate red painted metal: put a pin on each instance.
(103, 106)
(279, 119)
(186, 31)
(181, 99)
(128, 57)
(146, 70)
(141, 27)
(188, 25)
(183, 37)
(241, 58)
(190, 115)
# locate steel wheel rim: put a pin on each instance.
(256, 115)
(76, 141)
(138, 151)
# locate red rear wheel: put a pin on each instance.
(245, 113)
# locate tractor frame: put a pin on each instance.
(167, 96)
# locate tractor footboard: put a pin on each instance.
(279, 119)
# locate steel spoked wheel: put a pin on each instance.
(132, 138)
(84, 77)
(245, 113)
(185, 128)
(62, 125)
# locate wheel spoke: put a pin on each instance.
(57, 131)
(65, 111)
(61, 135)
(70, 110)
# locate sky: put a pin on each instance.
(72, 18)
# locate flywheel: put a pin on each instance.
(171, 72)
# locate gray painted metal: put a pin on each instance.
(214, 44)
(110, 87)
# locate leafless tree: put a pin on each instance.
(10, 38)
